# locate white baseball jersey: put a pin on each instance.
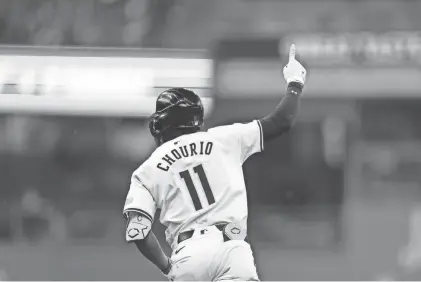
(196, 179)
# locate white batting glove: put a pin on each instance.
(294, 71)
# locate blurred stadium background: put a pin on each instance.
(336, 199)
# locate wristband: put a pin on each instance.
(294, 88)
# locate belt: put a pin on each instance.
(183, 236)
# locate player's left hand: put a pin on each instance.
(167, 270)
(294, 71)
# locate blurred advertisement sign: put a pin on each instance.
(74, 77)
(365, 49)
(94, 85)
(339, 66)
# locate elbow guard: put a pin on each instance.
(138, 226)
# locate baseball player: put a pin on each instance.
(196, 179)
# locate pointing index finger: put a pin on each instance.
(292, 52)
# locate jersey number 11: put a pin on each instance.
(192, 189)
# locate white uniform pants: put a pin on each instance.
(206, 257)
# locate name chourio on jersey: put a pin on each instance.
(185, 151)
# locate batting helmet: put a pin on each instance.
(176, 108)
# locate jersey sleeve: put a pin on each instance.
(244, 138)
(140, 198)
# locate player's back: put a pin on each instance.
(200, 181)
(197, 179)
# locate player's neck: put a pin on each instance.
(175, 133)
(170, 135)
